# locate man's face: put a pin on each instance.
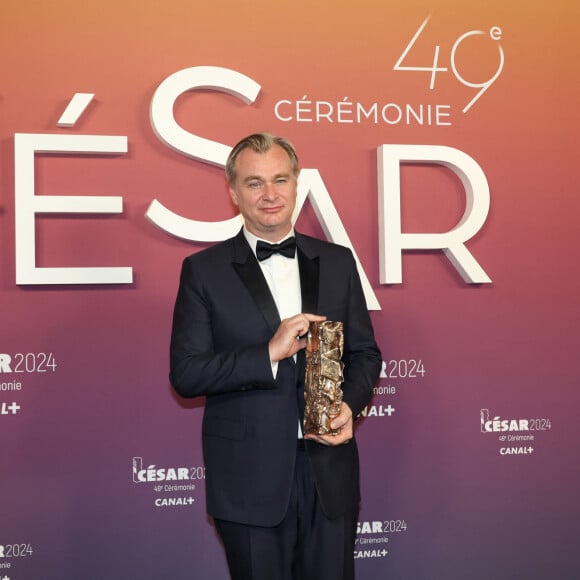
(265, 192)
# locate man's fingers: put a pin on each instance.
(287, 340)
(343, 418)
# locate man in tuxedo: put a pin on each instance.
(284, 503)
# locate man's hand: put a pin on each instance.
(286, 342)
(343, 422)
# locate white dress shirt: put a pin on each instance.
(283, 278)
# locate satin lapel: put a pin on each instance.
(309, 275)
(249, 271)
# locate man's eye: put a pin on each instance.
(281, 180)
(254, 184)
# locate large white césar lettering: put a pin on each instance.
(310, 186)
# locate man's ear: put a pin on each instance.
(233, 195)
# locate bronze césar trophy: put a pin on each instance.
(324, 376)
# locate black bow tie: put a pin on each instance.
(286, 248)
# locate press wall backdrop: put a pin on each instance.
(438, 139)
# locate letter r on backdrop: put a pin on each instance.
(392, 241)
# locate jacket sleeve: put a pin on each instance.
(361, 356)
(197, 366)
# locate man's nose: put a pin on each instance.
(269, 191)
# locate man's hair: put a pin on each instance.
(260, 143)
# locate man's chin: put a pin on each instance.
(275, 223)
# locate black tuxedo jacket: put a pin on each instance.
(224, 317)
